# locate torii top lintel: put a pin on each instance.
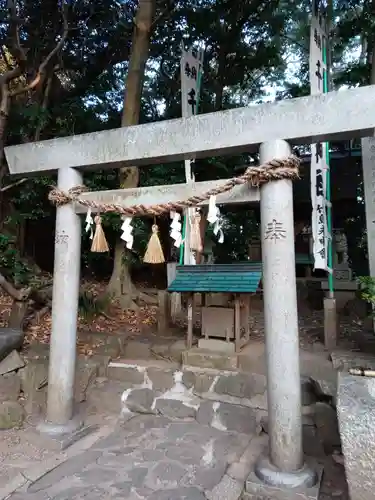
(325, 117)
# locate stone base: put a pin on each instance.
(60, 437)
(344, 291)
(343, 361)
(255, 489)
(204, 358)
(216, 345)
(356, 413)
(330, 323)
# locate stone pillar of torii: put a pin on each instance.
(272, 127)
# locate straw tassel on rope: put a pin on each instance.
(154, 252)
(99, 242)
(285, 168)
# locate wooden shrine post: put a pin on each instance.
(326, 117)
(175, 298)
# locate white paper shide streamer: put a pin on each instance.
(213, 217)
(127, 232)
(89, 223)
(175, 227)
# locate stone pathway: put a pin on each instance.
(155, 458)
(149, 457)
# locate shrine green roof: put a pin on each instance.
(235, 278)
(304, 259)
(241, 277)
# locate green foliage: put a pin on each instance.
(30, 200)
(30, 117)
(10, 262)
(367, 289)
(240, 227)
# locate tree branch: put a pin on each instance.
(14, 31)
(14, 184)
(56, 50)
(28, 87)
(18, 295)
(43, 65)
(165, 13)
(5, 59)
(4, 103)
(47, 91)
(10, 75)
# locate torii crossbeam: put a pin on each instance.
(324, 117)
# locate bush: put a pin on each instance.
(89, 306)
(367, 290)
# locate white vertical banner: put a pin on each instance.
(191, 70)
(318, 40)
(319, 212)
(319, 166)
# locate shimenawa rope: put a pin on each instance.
(273, 170)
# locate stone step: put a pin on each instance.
(155, 347)
(315, 367)
(207, 383)
(166, 388)
(223, 399)
(205, 358)
(345, 360)
(156, 374)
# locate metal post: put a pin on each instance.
(285, 465)
(188, 254)
(64, 314)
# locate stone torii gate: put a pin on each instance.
(273, 127)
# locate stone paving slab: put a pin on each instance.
(148, 457)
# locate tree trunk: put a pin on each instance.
(4, 111)
(120, 285)
(17, 315)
